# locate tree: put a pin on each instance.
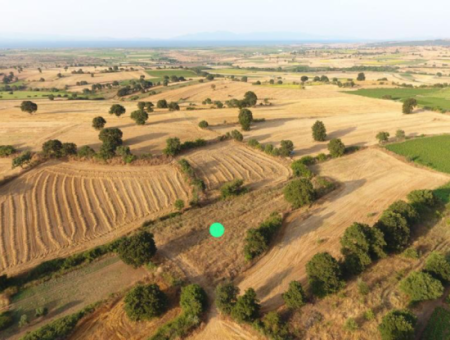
(98, 123)
(139, 116)
(138, 249)
(203, 124)
(28, 106)
(409, 105)
(161, 104)
(299, 192)
(7, 150)
(300, 169)
(68, 149)
(23, 159)
(245, 119)
(117, 110)
(244, 79)
(173, 106)
(324, 274)
(405, 209)
(226, 297)
(286, 148)
(438, 266)
(173, 146)
(145, 302)
(304, 79)
(86, 152)
(398, 325)
(382, 136)
(295, 296)
(141, 106)
(236, 135)
(361, 77)
(233, 188)
(274, 327)
(420, 286)
(395, 229)
(193, 299)
(247, 307)
(336, 148)
(250, 98)
(422, 199)
(319, 132)
(52, 148)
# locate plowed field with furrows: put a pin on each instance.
(60, 206)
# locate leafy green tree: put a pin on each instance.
(145, 302)
(295, 296)
(161, 104)
(173, 106)
(396, 231)
(233, 188)
(117, 110)
(438, 266)
(286, 148)
(398, 325)
(173, 146)
(226, 297)
(28, 106)
(86, 152)
(111, 137)
(361, 77)
(23, 159)
(324, 274)
(304, 79)
(247, 307)
(203, 124)
(245, 119)
(244, 79)
(139, 116)
(68, 149)
(236, 135)
(382, 136)
(52, 148)
(405, 209)
(409, 105)
(7, 150)
(137, 249)
(141, 106)
(193, 300)
(299, 192)
(300, 169)
(420, 286)
(422, 199)
(319, 131)
(336, 148)
(98, 123)
(250, 98)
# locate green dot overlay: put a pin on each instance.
(216, 229)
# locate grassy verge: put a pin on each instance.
(438, 327)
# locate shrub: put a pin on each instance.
(395, 229)
(336, 148)
(6, 320)
(139, 116)
(398, 325)
(253, 143)
(369, 315)
(41, 311)
(7, 150)
(233, 188)
(52, 148)
(324, 274)
(274, 327)
(258, 240)
(299, 192)
(438, 266)
(68, 149)
(363, 288)
(308, 160)
(295, 296)
(409, 105)
(422, 199)
(23, 159)
(145, 302)
(411, 253)
(245, 119)
(23, 321)
(98, 123)
(173, 106)
(351, 325)
(404, 209)
(268, 149)
(193, 299)
(382, 136)
(420, 286)
(138, 249)
(162, 104)
(321, 157)
(247, 307)
(179, 204)
(301, 170)
(319, 132)
(226, 297)
(86, 152)
(203, 124)
(236, 135)
(173, 146)
(117, 110)
(286, 148)
(400, 134)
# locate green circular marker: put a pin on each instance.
(216, 230)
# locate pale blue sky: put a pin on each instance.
(366, 19)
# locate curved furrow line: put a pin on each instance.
(68, 208)
(89, 207)
(147, 205)
(12, 224)
(203, 174)
(137, 201)
(58, 215)
(253, 164)
(3, 255)
(25, 239)
(107, 196)
(220, 170)
(35, 224)
(256, 159)
(162, 192)
(179, 187)
(153, 197)
(119, 199)
(107, 222)
(232, 170)
(128, 199)
(250, 174)
(48, 223)
(214, 171)
(78, 209)
(169, 186)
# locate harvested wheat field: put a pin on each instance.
(224, 162)
(60, 208)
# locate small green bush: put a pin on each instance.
(193, 299)
(203, 124)
(179, 204)
(438, 266)
(6, 320)
(41, 311)
(247, 307)
(299, 192)
(324, 275)
(86, 152)
(145, 302)
(138, 249)
(236, 135)
(351, 325)
(420, 286)
(7, 150)
(295, 296)
(398, 325)
(301, 170)
(336, 148)
(233, 188)
(319, 132)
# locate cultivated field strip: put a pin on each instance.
(225, 162)
(59, 206)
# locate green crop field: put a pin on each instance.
(433, 152)
(178, 73)
(432, 98)
(27, 94)
(438, 327)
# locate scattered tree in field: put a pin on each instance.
(139, 116)
(193, 299)
(405, 209)
(295, 296)
(247, 307)
(173, 146)
(299, 192)
(245, 119)
(438, 266)
(179, 204)
(7, 150)
(382, 136)
(173, 106)
(319, 131)
(28, 106)
(304, 79)
(250, 98)
(209, 77)
(51, 97)
(258, 240)
(23, 159)
(244, 79)
(324, 275)
(98, 123)
(336, 148)
(398, 325)
(117, 110)
(111, 138)
(400, 134)
(395, 229)
(286, 148)
(361, 77)
(137, 249)
(52, 148)
(145, 302)
(300, 169)
(203, 124)
(162, 104)
(233, 188)
(420, 286)
(236, 135)
(226, 297)
(409, 105)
